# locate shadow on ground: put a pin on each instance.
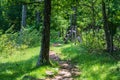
(93, 66)
(13, 70)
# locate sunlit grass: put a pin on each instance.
(93, 66)
(17, 65)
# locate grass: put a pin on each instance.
(93, 66)
(20, 64)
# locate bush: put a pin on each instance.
(13, 42)
(30, 37)
(94, 41)
(7, 44)
(54, 37)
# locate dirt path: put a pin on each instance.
(66, 72)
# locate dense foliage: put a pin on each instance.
(88, 32)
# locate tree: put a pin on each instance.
(24, 11)
(44, 53)
(108, 35)
(38, 19)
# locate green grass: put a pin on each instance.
(22, 63)
(93, 66)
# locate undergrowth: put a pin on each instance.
(97, 65)
(22, 63)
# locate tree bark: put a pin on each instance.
(23, 22)
(108, 35)
(93, 18)
(73, 24)
(44, 53)
(24, 13)
(38, 20)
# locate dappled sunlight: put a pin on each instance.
(20, 64)
(59, 40)
(93, 66)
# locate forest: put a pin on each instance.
(59, 40)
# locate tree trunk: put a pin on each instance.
(44, 53)
(74, 16)
(38, 20)
(73, 23)
(23, 22)
(24, 13)
(108, 35)
(93, 18)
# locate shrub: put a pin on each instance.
(7, 44)
(13, 42)
(30, 37)
(94, 41)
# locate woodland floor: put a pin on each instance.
(69, 62)
(67, 70)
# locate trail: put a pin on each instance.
(67, 70)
